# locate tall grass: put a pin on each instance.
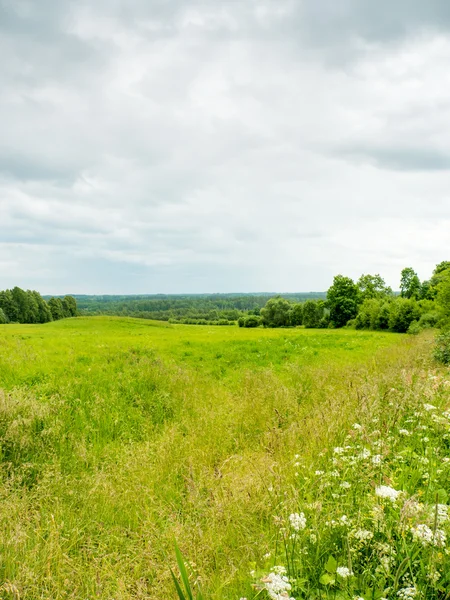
(118, 436)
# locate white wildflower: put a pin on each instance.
(429, 407)
(277, 584)
(427, 537)
(345, 485)
(357, 426)
(376, 459)
(404, 432)
(297, 521)
(319, 472)
(344, 572)
(339, 450)
(344, 520)
(362, 535)
(385, 491)
(406, 593)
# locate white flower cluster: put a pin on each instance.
(385, 491)
(427, 537)
(277, 584)
(297, 521)
(362, 535)
(344, 572)
(406, 593)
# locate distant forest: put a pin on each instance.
(190, 309)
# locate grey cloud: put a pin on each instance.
(397, 158)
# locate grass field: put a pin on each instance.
(120, 436)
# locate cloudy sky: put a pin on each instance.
(201, 146)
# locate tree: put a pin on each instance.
(443, 293)
(403, 311)
(367, 317)
(276, 313)
(372, 286)
(44, 312)
(70, 306)
(342, 300)
(56, 308)
(8, 306)
(312, 314)
(3, 318)
(409, 284)
(296, 317)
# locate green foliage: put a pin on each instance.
(372, 286)
(276, 313)
(410, 286)
(414, 328)
(29, 306)
(442, 348)
(342, 300)
(443, 292)
(3, 318)
(186, 593)
(401, 314)
(312, 313)
(296, 316)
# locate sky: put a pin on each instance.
(183, 146)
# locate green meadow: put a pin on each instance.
(121, 436)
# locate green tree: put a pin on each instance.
(368, 313)
(3, 318)
(372, 286)
(70, 307)
(56, 308)
(296, 317)
(410, 286)
(342, 300)
(44, 312)
(443, 292)
(312, 313)
(21, 302)
(276, 313)
(403, 311)
(8, 306)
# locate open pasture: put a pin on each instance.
(120, 436)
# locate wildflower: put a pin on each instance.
(339, 450)
(404, 432)
(424, 535)
(344, 572)
(277, 584)
(344, 520)
(385, 491)
(345, 485)
(357, 426)
(376, 459)
(362, 535)
(429, 407)
(319, 472)
(406, 593)
(364, 454)
(297, 521)
(441, 512)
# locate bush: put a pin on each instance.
(402, 312)
(429, 319)
(252, 321)
(414, 328)
(442, 348)
(241, 321)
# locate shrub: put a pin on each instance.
(442, 348)
(241, 321)
(414, 328)
(402, 312)
(429, 319)
(252, 321)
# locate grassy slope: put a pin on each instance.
(119, 435)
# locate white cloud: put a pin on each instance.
(219, 148)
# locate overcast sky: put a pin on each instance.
(202, 146)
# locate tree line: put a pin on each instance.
(20, 306)
(366, 304)
(191, 309)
